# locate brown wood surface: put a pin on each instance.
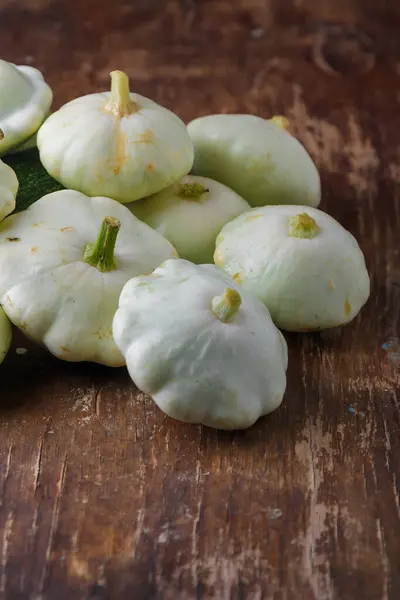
(102, 497)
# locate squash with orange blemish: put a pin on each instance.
(60, 282)
(115, 144)
(306, 268)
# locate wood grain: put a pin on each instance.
(102, 497)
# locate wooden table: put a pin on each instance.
(102, 497)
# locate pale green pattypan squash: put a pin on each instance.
(307, 269)
(25, 100)
(204, 351)
(8, 190)
(63, 264)
(117, 144)
(257, 158)
(190, 214)
(5, 335)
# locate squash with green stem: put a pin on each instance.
(117, 144)
(63, 264)
(307, 269)
(190, 214)
(205, 351)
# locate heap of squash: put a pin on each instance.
(118, 267)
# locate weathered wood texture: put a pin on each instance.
(104, 498)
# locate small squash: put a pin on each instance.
(257, 158)
(116, 144)
(190, 214)
(25, 100)
(307, 269)
(63, 264)
(205, 351)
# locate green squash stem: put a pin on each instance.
(101, 254)
(120, 103)
(303, 226)
(227, 305)
(192, 191)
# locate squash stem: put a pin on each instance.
(303, 226)
(192, 191)
(120, 103)
(227, 305)
(101, 254)
(281, 122)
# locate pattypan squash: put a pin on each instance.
(190, 214)
(204, 351)
(307, 269)
(63, 264)
(257, 158)
(25, 100)
(8, 190)
(117, 144)
(5, 335)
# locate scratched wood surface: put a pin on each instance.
(102, 497)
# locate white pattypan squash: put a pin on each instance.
(117, 144)
(25, 100)
(205, 352)
(5, 335)
(63, 264)
(307, 269)
(257, 158)
(8, 190)
(190, 214)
